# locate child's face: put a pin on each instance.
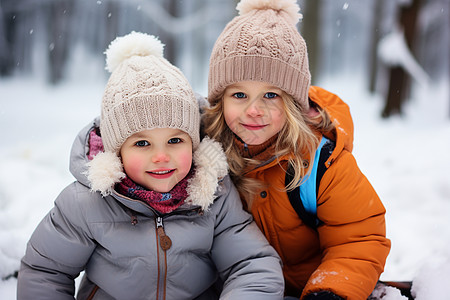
(157, 159)
(254, 111)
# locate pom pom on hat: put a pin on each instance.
(133, 44)
(288, 6)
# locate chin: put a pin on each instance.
(165, 189)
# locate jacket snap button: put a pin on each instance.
(263, 194)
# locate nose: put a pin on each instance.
(255, 108)
(160, 156)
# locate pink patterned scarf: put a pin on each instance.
(162, 202)
(95, 144)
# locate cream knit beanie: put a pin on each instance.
(144, 92)
(262, 44)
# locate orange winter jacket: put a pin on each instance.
(346, 255)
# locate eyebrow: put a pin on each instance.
(236, 86)
(139, 135)
(239, 86)
(179, 132)
(174, 134)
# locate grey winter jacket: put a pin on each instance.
(119, 244)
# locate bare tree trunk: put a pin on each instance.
(170, 50)
(376, 35)
(59, 38)
(310, 28)
(399, 83)
(112, 22)
(6, 59)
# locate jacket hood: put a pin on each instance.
(105, 170)
(340, 115)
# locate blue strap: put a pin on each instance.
(308, 187)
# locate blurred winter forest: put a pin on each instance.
(393, 45)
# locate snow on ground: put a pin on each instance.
(405, 158)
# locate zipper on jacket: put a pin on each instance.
(163, 244)
(165, 241)
(93, 292)
(134, 220)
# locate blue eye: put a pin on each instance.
(239, 95)
(270, 95)
(142, 143)
(175, 141)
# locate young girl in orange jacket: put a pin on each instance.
(269, 119)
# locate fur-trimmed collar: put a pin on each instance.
(210, 162)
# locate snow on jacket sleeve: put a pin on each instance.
(353, 237)
(57, 252)
(248, 265)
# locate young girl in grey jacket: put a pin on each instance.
(153, 213)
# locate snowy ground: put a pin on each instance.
(406, 159)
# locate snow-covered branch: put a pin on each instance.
(170, 24)
(393, 51)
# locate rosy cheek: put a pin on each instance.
(133, 166)
(185, 160)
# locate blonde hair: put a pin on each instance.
(297, 136)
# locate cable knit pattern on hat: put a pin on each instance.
(262, 44)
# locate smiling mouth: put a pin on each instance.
(253, 127)
(161, 174)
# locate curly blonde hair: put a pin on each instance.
(298, 136)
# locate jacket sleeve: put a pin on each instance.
(353, 235)
(248, 265)
(56, 252)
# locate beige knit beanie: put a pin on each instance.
(144, 92)
(262, 44)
